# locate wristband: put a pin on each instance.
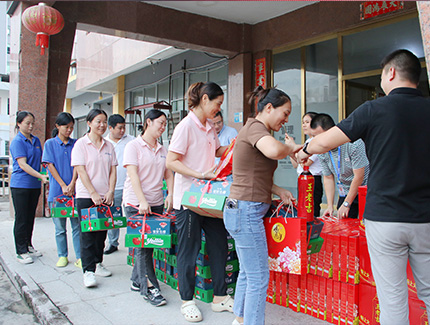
(304, 149)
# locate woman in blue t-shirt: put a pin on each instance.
(26, 152)
(62, 178)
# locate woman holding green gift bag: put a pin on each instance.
(95, 161)
(145, 160)
(255, 159)
(62, 180)
(192, 152)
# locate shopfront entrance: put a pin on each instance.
(337, 74)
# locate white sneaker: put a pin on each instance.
(34, 252)
(24, 258)
(102, 271)
(89, 279)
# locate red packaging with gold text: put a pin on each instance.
(352, 314)
(336, 302)
(322, 298)
(310, 292)
(412, 286)
(343, 303)
(417, 312)
(329, 308)
(362, 193)
(286, 241)
(315, 298)
(368, 303)
(366, 275)
(293, 292)
(303, 293)
(344, 256)
(353, 260)
(328, 257)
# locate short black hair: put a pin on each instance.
(406, 63)
(114, 119)
(323, 120)
(219, 114)
(311, 114)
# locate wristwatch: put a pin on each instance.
(304, 149)
(346, 204)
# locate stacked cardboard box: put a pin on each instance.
(339, 286)
(330, 289)
(165, 262)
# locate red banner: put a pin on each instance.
(260, 72)
(370, 9)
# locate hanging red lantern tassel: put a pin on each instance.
(44, 21)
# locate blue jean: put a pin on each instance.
(113, 234)
(244, 222)
(61, 235)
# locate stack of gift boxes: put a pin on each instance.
(339, 286)
(166, 271)
(329, 289)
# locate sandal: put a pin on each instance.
(225, 305)
(191, 312)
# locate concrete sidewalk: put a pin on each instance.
(58, 296)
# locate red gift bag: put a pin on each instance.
(286, 241)
(225, 165)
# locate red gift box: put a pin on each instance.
(310, 292)
(417, 312)
(322, 298)
(293, 292)
(343, 303)
(329, 307)
(362, 193)
(336, 302)
(286, 241)
(315, 297)
(368, 302)
(352, 315)
(366, 275)
(303, 293)
(353, 260)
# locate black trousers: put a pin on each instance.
(143, 268)
(318, 193)
(353, 210)
(92, 243)
(25, 203)
(189, 226)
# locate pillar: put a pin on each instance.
(68, 105)
(119, 96)
(239, 85)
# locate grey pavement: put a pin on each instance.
(58, 296)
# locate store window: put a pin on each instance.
(287, 77)
(321, 78)
(364, 51)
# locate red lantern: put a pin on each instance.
(44, 21)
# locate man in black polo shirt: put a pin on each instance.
(396, 131)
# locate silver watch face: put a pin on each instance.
(346, 204)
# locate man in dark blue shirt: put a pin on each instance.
(397, 215)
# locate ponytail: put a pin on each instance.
(260, 97)
(197, 90)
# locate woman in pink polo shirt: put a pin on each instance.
(191, 155)
(95, 160)
(145, 160)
